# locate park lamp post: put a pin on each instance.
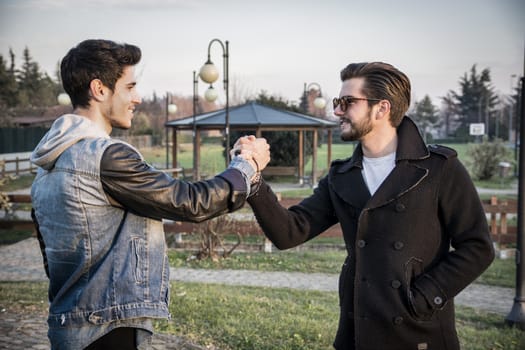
(209, 74)
(195, 143)
(512, 76)
(319, 101)
(516, 317)
(171, 108)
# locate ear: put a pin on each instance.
(98, 91)
(383, 109)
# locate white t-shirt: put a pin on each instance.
(375, 170)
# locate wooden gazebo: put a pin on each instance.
(256, 117)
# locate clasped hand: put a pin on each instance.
(255, 150)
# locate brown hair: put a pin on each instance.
(95, 59)
(385, 82)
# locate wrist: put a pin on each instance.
(257, 176)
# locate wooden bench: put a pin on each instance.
(499, 211)
(280, 171)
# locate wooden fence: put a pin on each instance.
(498, 211)
(21, 166)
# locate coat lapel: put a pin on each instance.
(350, 187)
(407, 173)
(402, 179)
(349, 184)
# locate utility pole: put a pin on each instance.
(516, 317)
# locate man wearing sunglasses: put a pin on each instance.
(413, 225)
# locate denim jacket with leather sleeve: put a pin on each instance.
(99, 207)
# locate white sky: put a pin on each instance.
(278, 45)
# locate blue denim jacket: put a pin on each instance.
(105, 264)
(108, 267)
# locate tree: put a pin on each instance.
(476, 100)
(141, 125)
(211, 236)
(36, 88)
(449, 114)
(425, 114)
(8, 86)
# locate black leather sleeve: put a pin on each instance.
(146, 191)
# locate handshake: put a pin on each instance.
(255, 150)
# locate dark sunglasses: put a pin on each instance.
(345, 101)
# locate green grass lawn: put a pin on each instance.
(500, 273)
(234, 317)
(304, 261)
(212, 157)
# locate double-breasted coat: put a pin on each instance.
(412, 246)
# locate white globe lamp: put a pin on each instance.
(172, 108)
(319, 102)
(211, 94)
(209, 73)
(63, 99)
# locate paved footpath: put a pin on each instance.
(22, 262)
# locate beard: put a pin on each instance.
(357, 129)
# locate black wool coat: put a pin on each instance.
(412, 246)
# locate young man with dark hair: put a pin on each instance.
(98, 207)
(402, 206)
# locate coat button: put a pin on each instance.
(398, 245)
(398, 320)
(400, 207)
(395, 284)
(438, 301)
(361, 243)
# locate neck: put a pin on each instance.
(95, 116)
(379, 142)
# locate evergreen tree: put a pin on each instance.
(36, 89)
(449, 113)
(476, 100)
(8, 86)
(426, 116)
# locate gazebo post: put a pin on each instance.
(314, 156)
(174, 149)
(329, 150)
(301, 156)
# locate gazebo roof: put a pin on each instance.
(252, 114)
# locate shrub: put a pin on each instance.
(485, 157)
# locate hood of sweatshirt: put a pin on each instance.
(65, 131)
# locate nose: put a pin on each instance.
(338, 112)
(136, 98)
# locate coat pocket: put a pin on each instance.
(140, 260)
(418, 307)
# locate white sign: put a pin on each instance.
(477, 129)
